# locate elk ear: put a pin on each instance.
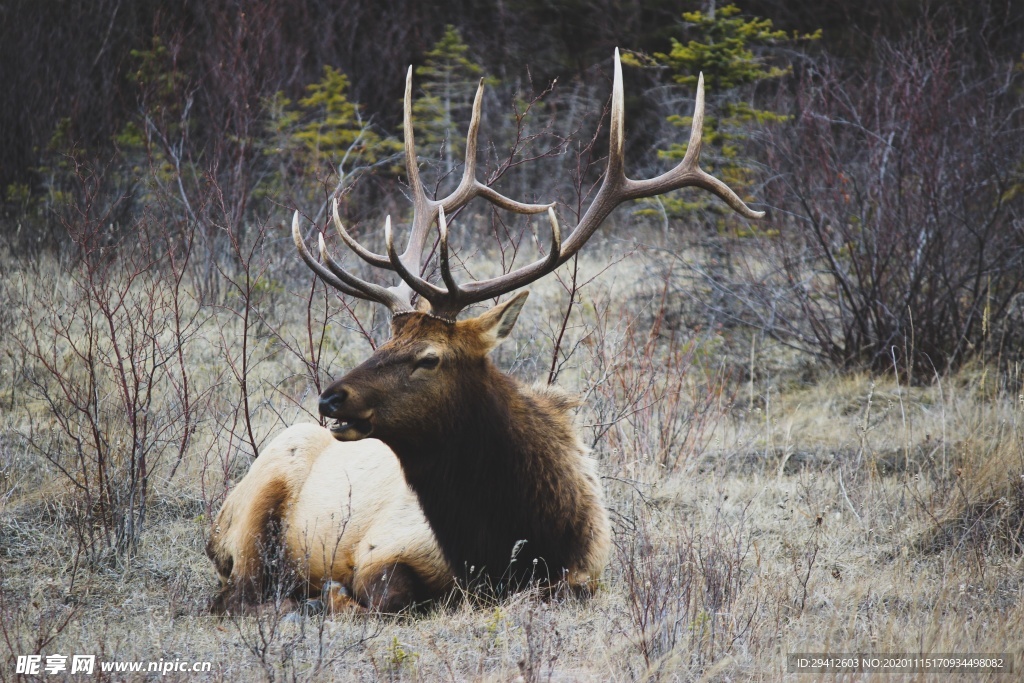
(496, 324)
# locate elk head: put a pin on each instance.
(429, 361)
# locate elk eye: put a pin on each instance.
(427, 362)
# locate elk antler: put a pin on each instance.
(446, 302)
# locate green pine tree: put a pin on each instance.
(448, 81)
(324, 130)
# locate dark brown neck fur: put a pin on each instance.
(504, 467)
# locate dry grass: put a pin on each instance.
(755, 515)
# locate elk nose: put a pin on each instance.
(332, 400)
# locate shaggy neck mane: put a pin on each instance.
(504, 483)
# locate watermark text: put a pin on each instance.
(829, 663)
(40, 665)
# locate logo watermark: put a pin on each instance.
(36, 665)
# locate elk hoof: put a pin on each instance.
(337, 598)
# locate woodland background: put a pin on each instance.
(809, 427)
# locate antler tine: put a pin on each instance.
(422, 205)
(317, 267)
(419, 285)
(457, 298)
(473, 292)
(446, 274)
(615, 171)
(696, 141)
(375, 260)
(470, 187)
(342, 280)
(469, 167)
(367, 290)
(411, 166)
(610, 194)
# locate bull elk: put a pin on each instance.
(497, 467)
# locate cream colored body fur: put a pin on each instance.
(345, 513)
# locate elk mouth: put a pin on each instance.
(351, 429)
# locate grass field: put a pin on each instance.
(761, 505)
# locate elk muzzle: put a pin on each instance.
(351, 423)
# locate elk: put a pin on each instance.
(497, 467)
